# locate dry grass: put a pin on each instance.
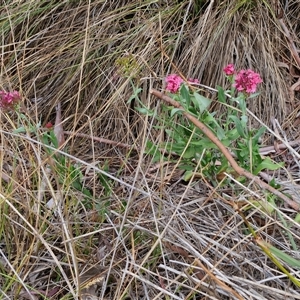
(140, 234)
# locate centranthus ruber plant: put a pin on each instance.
(174, 82)
(245, 80)
(232, 127)
(11, 102)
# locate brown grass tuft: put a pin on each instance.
(133, 229)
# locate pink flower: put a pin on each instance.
(8, 100)
(247, 81)
(49, 125)
(195, 80)
(229, 69)
(173, 83)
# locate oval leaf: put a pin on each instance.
(202, 103)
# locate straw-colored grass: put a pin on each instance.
(125, 227)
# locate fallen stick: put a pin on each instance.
(240, 171)
(269, 149)
(101, 140)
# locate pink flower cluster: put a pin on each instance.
(229, 69)
(174, 82)
(245, 80)
(194, 80)
(8, 100)
(49, 125)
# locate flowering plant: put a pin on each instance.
(196, 151)
(174, 82)
(245, 80)
(11, 102)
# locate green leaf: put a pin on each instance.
(285, 257)
(145, 111)
(170, 133)
(224, 164)
(253, 95)
(45, 139)
(153, 150)
(87, 193)
(201, 103)
(174, 111)
(204, 143)
(238, 125)
(273, 252)
(226, 142)
(220, 133)
(19, 130)
(297, 218)
(53, 139)
(185, 96)
(221, 94)
(193, 111)
(242, 103)
(76, 184)
(258, 134)
(178, 148)
(134, 95)
(106, 183)
(265, 206)
(233, 134)
(275, 185)
(244, 120)
(188, 175)
(186, 167)
(210, 121)
(268, 164)
(190, 152)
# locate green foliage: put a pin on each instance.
(196, 149)
(102, 206)
(69, 174)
